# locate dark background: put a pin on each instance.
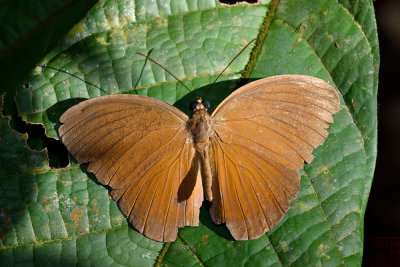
(382, 217)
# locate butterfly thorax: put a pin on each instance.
(200, 126)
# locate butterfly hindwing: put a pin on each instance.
(141, 149)
(248, 197)
(265, 131)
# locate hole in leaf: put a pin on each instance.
(37, 140)
(234, 2)
(26, 85)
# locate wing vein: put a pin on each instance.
(262, 115)
(88, 129)
(270, 190)
(252, 187)
(142, 162)
(168, 207)
(276, 153)
(86, 116)
(289, 143)
(261, 158)
(308, 105)
(149, 176)
(261, 172)
(237, 197)
(297, 93)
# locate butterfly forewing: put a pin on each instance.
(265, 131)
(140, 147)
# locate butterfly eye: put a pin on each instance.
(206, 104)
(193, 106)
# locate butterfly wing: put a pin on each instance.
(141, 149)
(265, 131)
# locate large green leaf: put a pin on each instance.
(62, 216)
(27, 30)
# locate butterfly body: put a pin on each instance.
(244, 157)
(201, 129)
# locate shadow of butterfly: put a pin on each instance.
(244, 157)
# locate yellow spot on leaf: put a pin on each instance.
(303, 206)
(76, 216)
(116, 220)
(313, 17)
(76, 30)
(325, 256)
(325, 170)
(204, 239)
(66, 182)
(161, 22)
(129, 14)
(284, 246)
(323, 247)
(136, 34)
(101, 40)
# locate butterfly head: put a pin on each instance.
(199, 104)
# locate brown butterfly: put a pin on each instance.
(245, 156)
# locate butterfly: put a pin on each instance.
(244, 158)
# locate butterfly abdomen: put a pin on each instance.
(206, 175)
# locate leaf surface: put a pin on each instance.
(64, 217)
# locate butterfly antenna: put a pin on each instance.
(208, 89)
(158, 64)
(73, 75)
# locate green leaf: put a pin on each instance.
(28, 29)
(63, 217)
